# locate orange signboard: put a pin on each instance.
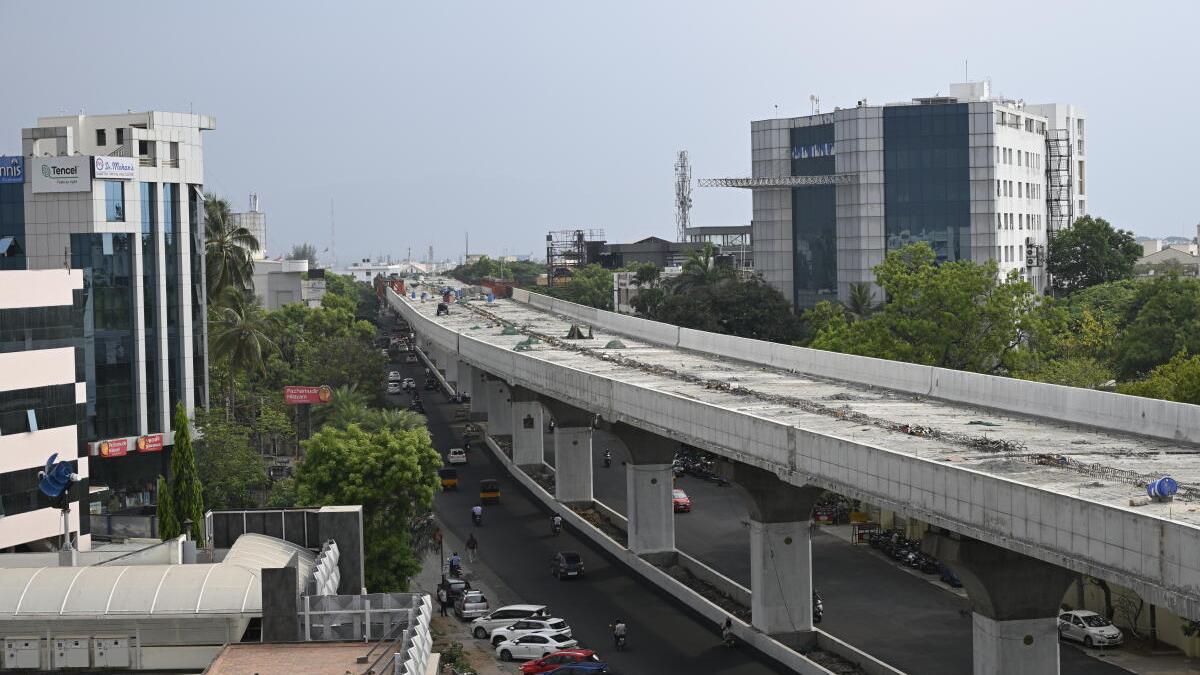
(151, 443)
(116, 447)
(295, 395)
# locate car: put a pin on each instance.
(1090, 628)
(566, 564)
(558, 659)
(393, 388)
(680, 501)
(456, 456)
(394, 376)
(505, 616)
(533, 646)
(527, 626)
(584, 668)
(410, 358)
(470, 605)
(408, 383)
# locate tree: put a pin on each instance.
(392, 474)
(226, 249)
(702, 269)
(1074, 371)
(592, 285)
(168, 523)
(1176, 380)
(861, 302)
(239, 337)
(305, 251)
(954, 315)
(1088, 253)
(186, 491)
(752, 309)
(230, 470)
(1162, 320)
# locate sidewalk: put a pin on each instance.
(449, 629)
(843, 532)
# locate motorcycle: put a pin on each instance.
(454, 569)
(818, 608)
(477, 518)
(556, 527)
(607, 459)
(620, 643)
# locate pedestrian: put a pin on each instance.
(443, 599)
(472, 548)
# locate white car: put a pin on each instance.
(529, 626)
(393, 388)
(394, 376)
(1089, 628)
(456, 456)
(505, 616)
(534, 646)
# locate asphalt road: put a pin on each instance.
(869, 602)
(515, 542)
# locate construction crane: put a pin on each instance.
(780, 181)
(683, 195)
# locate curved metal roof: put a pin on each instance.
(228, 587)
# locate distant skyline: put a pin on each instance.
(427, 121)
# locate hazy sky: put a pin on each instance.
(424, 121)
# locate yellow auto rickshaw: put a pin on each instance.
(449, 478)
(489, 491)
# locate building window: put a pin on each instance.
(114, 201)
(101, 138)
(814, 218)
(120, 137)
(143, 148)
(999, 189)
(1081, 190)
(1018, 190)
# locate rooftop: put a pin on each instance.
(312, 658)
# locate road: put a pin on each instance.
(516, 544)
(870, 603)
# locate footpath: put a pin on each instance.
(450, 630)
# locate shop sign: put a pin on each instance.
(119, 168)
(296, 395)
(113, 447)
(150, 443)
(62, 174)
(12, 169)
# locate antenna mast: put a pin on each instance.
(332, 236)
(683, 195)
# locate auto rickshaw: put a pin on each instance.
(449, 478)
(489, 491)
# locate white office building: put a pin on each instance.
(42, 394)
(976, 176)
(255, 221)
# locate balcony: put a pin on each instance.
(147, 161)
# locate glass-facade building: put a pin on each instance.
(814, 217)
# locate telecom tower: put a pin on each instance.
(683, 195)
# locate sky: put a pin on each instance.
(428, 122)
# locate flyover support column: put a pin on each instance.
(780, 551)
(1015, 601)
(479, 392)
(572, 451)
(499, 415)
(648, 484)
(528, 437)
(466, 375)
(450, 368)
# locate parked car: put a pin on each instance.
(394, 376)
(455, 588)
(1089, 628)
(410, 358)
(393, 388)
(584, 668)
(566, 564)
(527, 626)
(470, 604)
(505, 616)
(680, 501)
(558, 659)
(456, 456)
(533, 646)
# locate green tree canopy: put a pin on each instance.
(391, 473)
(227, 248)
(187, 495)
(1162, 320)
(229, 469)
(1088, 253)
(954, 315)
(305, 251)
(1175, 380)
(591, 285)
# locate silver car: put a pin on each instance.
(1089, 628)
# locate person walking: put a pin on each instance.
(443, 599)
(472, 548)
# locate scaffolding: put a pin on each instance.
(1059, 202)
(568, 249)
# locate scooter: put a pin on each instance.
(477, 518)
(818, 607)
(607, 459)
(555, 527)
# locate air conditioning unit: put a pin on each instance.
(22, 652)
(70, 652)
(1030, 260)
(111, 652)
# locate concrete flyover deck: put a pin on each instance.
(1042, 470)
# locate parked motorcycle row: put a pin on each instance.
(698, 463)
(907, 552)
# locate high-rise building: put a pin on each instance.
(42, 396)
(120, 198)
(977, 177)
(255, 221)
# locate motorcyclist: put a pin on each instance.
(620, 630)
(477, 513)
(455, 564)
(727, 631)
(607, 457)
(556, 523)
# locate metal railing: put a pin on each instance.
(114, 525)
(396, 623)
(147, 161)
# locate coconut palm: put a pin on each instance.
(701, 270)
(240, 335)
(861, 302)
(227, 248)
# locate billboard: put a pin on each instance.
(119, 168)
(119, 447)
(294, 395)
(62, 174)
(12, 169)
(114, 447)
(150, 443)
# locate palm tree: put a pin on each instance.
(226, 249)
(701, 270)
(861, 302)
(348, 406)
(240, 335)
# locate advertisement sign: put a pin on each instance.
(151, 443)
(120, 168)
(12, 169)
(293, 395)
(62, 174)
(114, 447)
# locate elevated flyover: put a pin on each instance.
(1027, 479)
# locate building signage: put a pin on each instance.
(812, 151)
(114, 447)
(150, 443)
(293, 395)
(12, 169)
(119, 168)
(62, 174)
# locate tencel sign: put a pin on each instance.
(119, 168)
(62, 174)
(12, 169)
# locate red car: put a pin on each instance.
(558, 659)
(680, 501)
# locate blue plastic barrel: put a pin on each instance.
(491, 297)
(1163, 488)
